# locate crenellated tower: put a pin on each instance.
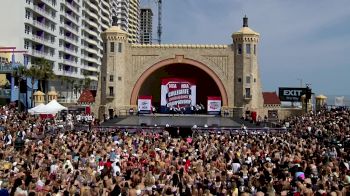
(247, 85)
(112, 73)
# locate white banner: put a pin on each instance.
(178, 92)
(214, 105)
(144, 104)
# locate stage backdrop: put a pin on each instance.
(214, 105)
(144, 104)
(177, 93)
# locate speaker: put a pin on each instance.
(143, 124)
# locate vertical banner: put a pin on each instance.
(144, 104)
(177, 94)
(214, 105)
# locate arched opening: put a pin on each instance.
(205, 85)
(208, 83)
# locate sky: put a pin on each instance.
(299, 39)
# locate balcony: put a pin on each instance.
(91, 23)
(71, 28)
(5, 93)
(43, 12)
(71, 63)
(42, 26)
(91, 50)
(42, 40)
(91, 32)
(49, 3)
(70, 39)
(72, 7)
(91, 14)
(94, 78)
(93, 6)
(105, 4)
(72, 18)
(90, 41)
(90, 68)
(70, 74)
(41, 54)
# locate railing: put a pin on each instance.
(42, 25)
(72, 7)
(41, 54)
(71, 28)
(43, 12)
(43, 40)
(93, 78)
(217, 130)
(5, 93)
(74, 19)
(69, 38)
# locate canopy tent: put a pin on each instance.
(53, 107)
(39, 109)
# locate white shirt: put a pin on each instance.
(116, 169)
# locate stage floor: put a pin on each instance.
(173, 121)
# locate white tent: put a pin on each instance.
(39, 109)
(53, 107)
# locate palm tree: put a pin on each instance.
(33, 73)
(46, 73)
(87, 82)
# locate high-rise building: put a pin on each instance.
(126, 14)
(120, 9)
(146, 18)
(65, 32)
(134, 21)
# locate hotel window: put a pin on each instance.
(112, 46)
(111, 93)
(239, 49)
(247, 46)
(27, 14)
(26, 29)
(26, 44)
(247, 92)
(120, 47)
(247, 79)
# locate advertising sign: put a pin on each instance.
(177, 93)
(214, 105)
(144, 104)
(291, 94)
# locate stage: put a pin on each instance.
(179, 120)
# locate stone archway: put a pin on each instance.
(182, 60)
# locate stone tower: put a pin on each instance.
(112, 73)
(247, 85)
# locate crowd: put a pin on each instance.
(310, 158)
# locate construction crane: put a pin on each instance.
(159, 28)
